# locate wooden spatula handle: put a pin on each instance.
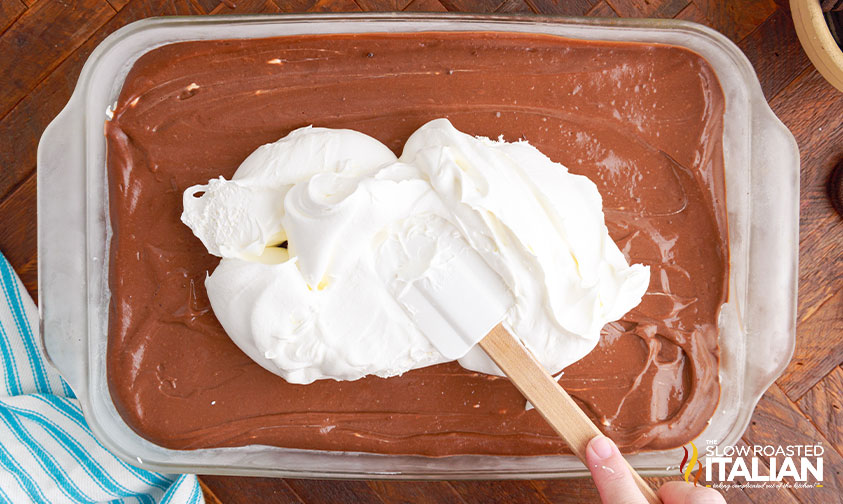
(548, 397)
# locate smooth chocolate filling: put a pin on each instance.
(643, 121)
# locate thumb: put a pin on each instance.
(611, 473)
(679, 492)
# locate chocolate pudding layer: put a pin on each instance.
(644, 122)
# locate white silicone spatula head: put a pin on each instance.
(457, 301)
(445, 286)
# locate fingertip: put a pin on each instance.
(703, 495)
(674, 492)
(679, 492)
(600, 448)
(611, 473)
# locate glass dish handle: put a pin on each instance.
(771, 330)
(62, 284)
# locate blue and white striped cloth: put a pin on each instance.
(47, 452)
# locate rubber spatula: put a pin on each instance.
(460, 302)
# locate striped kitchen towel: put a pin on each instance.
(47, 451)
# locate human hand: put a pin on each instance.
(616, 486)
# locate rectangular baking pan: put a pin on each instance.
(756, 325)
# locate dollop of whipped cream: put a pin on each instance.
(307, 225)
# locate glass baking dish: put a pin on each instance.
(757, 324)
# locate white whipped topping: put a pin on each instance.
(343, 203)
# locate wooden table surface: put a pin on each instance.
(44, 43)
